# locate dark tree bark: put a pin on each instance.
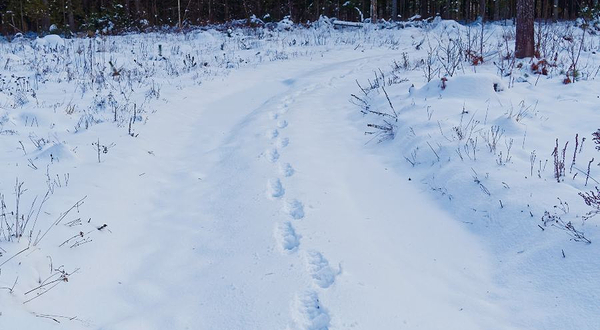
(482, 9)
(524, 46)
(496, 10)
(23, 15)
(46, 18)
(71, 17)
(373, 11)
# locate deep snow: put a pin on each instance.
(227, 183)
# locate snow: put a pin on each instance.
(318, 266)
(52, 41)
(287, 237)
(294, 208)
(229, 183)
(275, 189)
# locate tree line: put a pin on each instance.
(116, 15)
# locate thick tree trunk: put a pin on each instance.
(373, 11)
(403, 11)
(524, 46)
(394, 10)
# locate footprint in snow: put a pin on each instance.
(283, 142)
(310, 313)
(272, 155)
(282, 124)
(319, 269)
(273, 115)
(272, 133)
(286, 169)
(275, 188)
(294, 209)
(286, 236)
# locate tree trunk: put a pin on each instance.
(46, 18)
(373, 11)
(482, 9)
(71, 17)
(179, 14)
(524, 46)
(136, 3)
(317, 10)
(496, 10)
(22, 18)
(402, 10)
(394, 10)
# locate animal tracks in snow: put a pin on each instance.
(283, 142)
(282, 124)
(275, 188)
(272, 133)
(307, 311)
(294, 208)
(319, 269)
(272, 155)
(286, 170)
(287, 237)
(310, 313)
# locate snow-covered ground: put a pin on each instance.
(216, 180)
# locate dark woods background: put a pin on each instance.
(118, 15)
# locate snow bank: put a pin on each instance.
(51, 41)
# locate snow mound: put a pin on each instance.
(465, 86)
(57, 152)
(286, 24)
(52, 41)
(446, 26)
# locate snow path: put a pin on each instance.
(260, 207)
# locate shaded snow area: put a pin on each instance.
(308, 178)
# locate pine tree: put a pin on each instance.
(524, 45)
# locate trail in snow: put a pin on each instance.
(300, 228)
(260, 208)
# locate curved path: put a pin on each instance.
(261, 207)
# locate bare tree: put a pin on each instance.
(524, 46)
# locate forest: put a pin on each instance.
(85, 16)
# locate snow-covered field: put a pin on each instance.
(224, 180)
